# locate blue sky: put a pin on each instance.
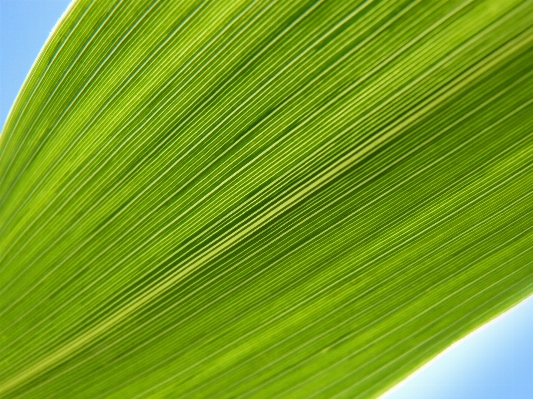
(495, 362)
(24, 27)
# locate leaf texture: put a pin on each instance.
(265, 199)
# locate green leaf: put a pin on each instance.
(264, 199)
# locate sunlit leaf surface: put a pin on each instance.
(265, 199)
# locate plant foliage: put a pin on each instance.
(266, 199)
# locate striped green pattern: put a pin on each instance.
(263, 199)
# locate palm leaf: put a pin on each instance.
(263, 198)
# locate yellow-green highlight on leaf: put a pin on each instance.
(263, 199)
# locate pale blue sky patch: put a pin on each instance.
(24, 27)
(494, 362)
